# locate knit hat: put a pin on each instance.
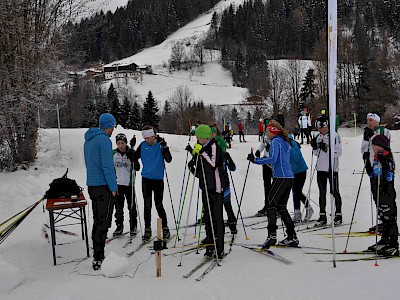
(273, 129)
(107, 121)
(203, 131)
(121, 137)
(321, 122)
(374, 116)
(381, 140)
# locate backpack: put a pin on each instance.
(63, 188)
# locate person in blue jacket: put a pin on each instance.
(101, 182)
(153, 151)
(299, 168)
(279, 158)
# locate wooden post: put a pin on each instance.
(158, 253)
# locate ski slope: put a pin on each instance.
(27, 271)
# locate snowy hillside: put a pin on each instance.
(212, 85)
(27, 271)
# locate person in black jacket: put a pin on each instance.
(208, 157)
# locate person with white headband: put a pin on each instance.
(373, 128)
(153, 151)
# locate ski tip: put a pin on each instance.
(376, 265)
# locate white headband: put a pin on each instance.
(374, 116)
(148, 133)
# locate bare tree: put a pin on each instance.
(278, 86)
(30, 43)
(180, 101)
(295, 69)
(177, 54)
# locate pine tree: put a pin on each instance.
(150, 110)
(113, 103)
(135, 121)
(124, 112)
(307, 92)
(167, 120)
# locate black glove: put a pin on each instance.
(161, 141)
(251, 157)
(258, 154)
(313, 143)
(189, 149)
(136, 165)
(323, 146)
(366, 156)
(267, 147)
(368, 133)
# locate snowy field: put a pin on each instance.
(27, 271)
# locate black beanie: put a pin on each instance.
(121, 137)
(381, 140)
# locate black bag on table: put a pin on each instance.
(63, 188)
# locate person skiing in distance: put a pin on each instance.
(260, 129)
(382, 177)
(373, 128)
(123, 164)
(240, 129)
(266, 173)
(304, 124)
(280, 118)
(153, 151)
(101, 182)
(279, 158)
(320, 145)
(208, 155)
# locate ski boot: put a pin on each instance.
(96, 264)
(262, 212)
(290, 241)
(166, 233)
(119, 230)
(147, 235)
(338, 219)
(270, 241)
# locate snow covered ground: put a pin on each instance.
(27, 271)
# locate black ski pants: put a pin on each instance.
(322, 178)
(102, 207)
(277, 202)
(306, 132)
(125, 192)
(267, 178)
(228, 206)
(241, 136)
(387, 210)
(216, 203)
(298, 184)
(156, 186)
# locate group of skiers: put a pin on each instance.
(110, 174)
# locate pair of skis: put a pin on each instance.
(145, 243)
(204, 261)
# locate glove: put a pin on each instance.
(161, 141)
(251, 157)
(313, 143)
(267, 147)
(189, 148)
(197, 149)
(323, 146)
(258, 154)
(366, 156)
(368, 133)
(132, 142)
(136, 165)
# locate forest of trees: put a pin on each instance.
(40, 42)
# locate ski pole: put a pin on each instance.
(135, 199)
(354, 210)
(181, 210)
(183, 182)
(197, 211)
(237, 202)
(210, 215)
(188, 214)
(377, 213)
(170, 197)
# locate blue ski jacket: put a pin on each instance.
(98, 159)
